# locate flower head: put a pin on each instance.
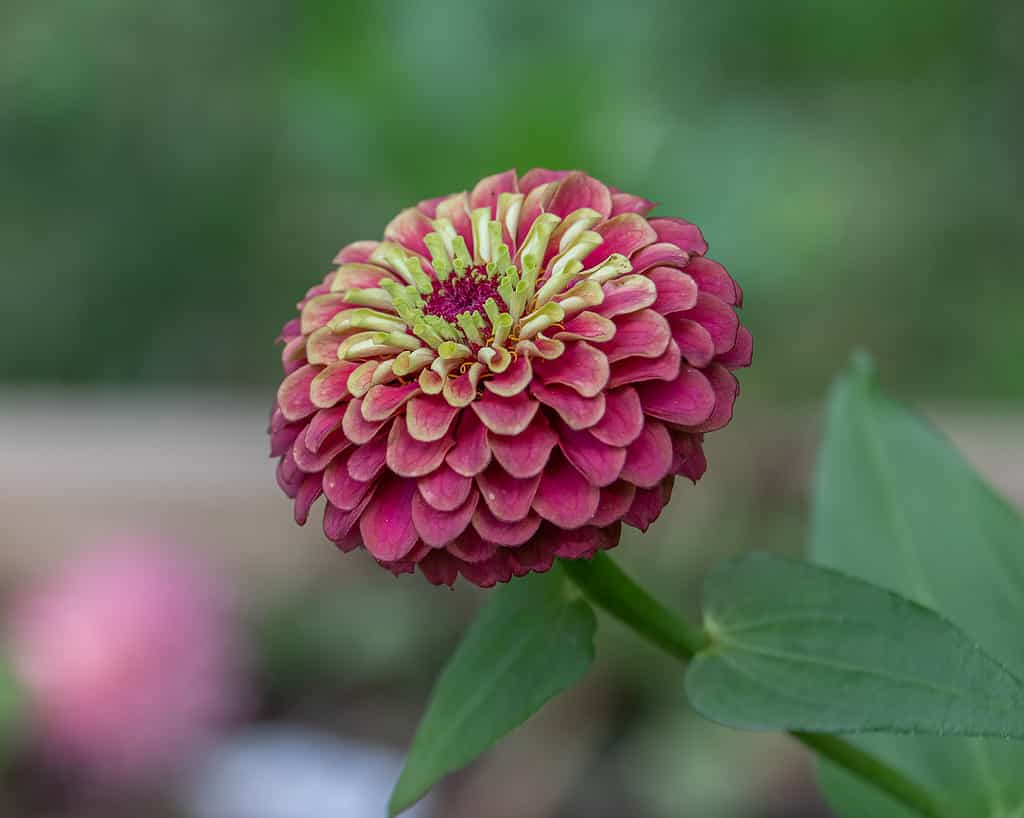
(507, 377)
(128, 659)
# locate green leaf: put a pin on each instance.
(897, 505)
(534, 639)
(795, 646)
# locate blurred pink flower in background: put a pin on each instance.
(130, 659)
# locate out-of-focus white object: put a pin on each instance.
(291, 771)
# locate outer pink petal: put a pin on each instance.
(584, 542)
(626, 294)
(439, 528)
(471, 454)
(681, 233)
(321, 425)
(577, 411)
(627, 203)
(331, 384)
(455, 208)
(638, 370)
(496, 531)
(471, 547)
(712, 278)
(429, 417)
(641, 334)
(660, 254)
(342, 490)
(540, 176)
(587, 326)
(647, 507)
(357, 252)
(533, 205)
(309, 492)
(440, 568)
(487, 190)
(367, 461)
(293, 393)
(382, 401)
(490, 572)
(408, 229)
(386, 524)
(625, 234)
(356, 427)
(579, 190)
(289, 476)
(623, 418)
(565, 497)
(741, 354)
(686, 401)
(695, 343)
(598, 462)
(649, 457)
(444, 488)
(507, 497)
(282, 440)
(361, 276)
(524, 454)
(727, 389)
(688, 460)
(319, 310)
(409, 457)
(315, 462)
(616, 501)
(514, 379)
(676, 290)
(718, 318)
(506, 416)
(582, 367)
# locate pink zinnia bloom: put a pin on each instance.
(507, 377)
(128, 658)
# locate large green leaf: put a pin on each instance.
(795, 646)
(533, 639)
(897, 505)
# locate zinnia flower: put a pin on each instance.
(506, 378)
(129, 660)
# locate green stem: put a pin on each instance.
(605, 585)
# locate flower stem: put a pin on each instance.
(608, 587)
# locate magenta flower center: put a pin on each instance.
(458, 295)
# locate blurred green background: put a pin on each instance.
(174, 175)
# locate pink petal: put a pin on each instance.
(565, 497)
(660, 254)
(627, 203)
(293, 393)
(506, 416)
(718, 318)
(649, 457)
(727, 389)
(507, 497)
(577, 411)
(439, 568)
(623, 418)
(471, 454)
(584, 542)
(524, 454)
(293, 355)
(626, 294)
(681, 233)
(289, 476)
(461, 390)
(366, 461)
(290, 330)
(408, 229)
(487, 190)
(429, 417)
(309, 492)
(582, 367)
(382, 401)
(322, 346)
(356, 427)
(514, 379)
(695, 343)
(439, 528)
(314, 462)
(587, 326)
(536, 555)
(712, 278)
(625, 234)
(331, 384)
(676, 290)
(429, 206)
(688, 460)
(647, 506)
(579, 190)
(409, 457)
(643, 334)
(454, 208)
(321, 309)
(386, 525)
(342, 490)
(686, 401)
(741, 354)
(321, 425)
(471, 547)
(282, 440)
(638, 370)
(340, 526)
(540, 176)
(496, 531)
(490, 572)
(360, 276)
(598, 462)
(444, 488)
(358, 251)
(616, 500)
